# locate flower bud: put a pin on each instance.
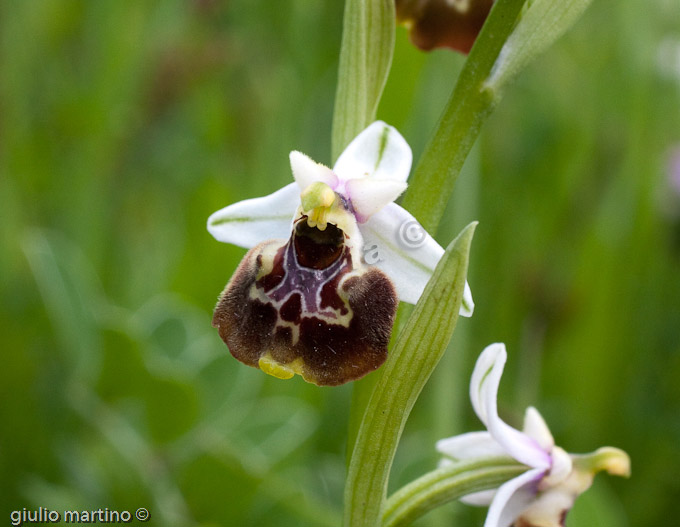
(453, 24)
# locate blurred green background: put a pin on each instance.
(124, 124)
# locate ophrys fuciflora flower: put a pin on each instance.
(330, 257)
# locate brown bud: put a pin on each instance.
(443, 23)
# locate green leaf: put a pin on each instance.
(446, 484)
(410, 364)
(470, 104)
(365, 59)
(541, 24)
(72, 297)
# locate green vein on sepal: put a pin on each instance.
(244, 219)
(365, 60)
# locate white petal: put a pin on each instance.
(470, 445)
(512, 498)
(379, 151)
(397, 244)
(535, 427)
(484, 384)
(483, 498)
(369, 195)
(468, 305)
(307, 171)
(251, 221)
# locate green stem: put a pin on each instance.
(469, 106)
(363, 388)
(418, 350)
(365, 59)
(447, 484)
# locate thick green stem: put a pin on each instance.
(469, 106)
(447, 484)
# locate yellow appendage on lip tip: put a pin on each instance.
(317, 200)
(281, 371)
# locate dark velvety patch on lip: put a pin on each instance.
(245, 325)
(348, 353)
(292, 309)
(334, 354)
(330, 297)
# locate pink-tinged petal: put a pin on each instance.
(535, 427)
(379, 151)
(252, 221)
(307, 171)
(369, 195)
(395, 242)
(470, 445)
(512, 498)
(483, 394)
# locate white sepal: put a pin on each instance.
(402, 249)
(379, 151)
(252, 221)
(483, 394)
(408, 257)
(470, 445)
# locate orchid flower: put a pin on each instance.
(330, 256)
(541, 496)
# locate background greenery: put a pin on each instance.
(123, 125)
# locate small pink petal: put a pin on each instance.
(369, 195)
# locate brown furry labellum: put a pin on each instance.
(309, 306)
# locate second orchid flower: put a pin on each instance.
(543, 495)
